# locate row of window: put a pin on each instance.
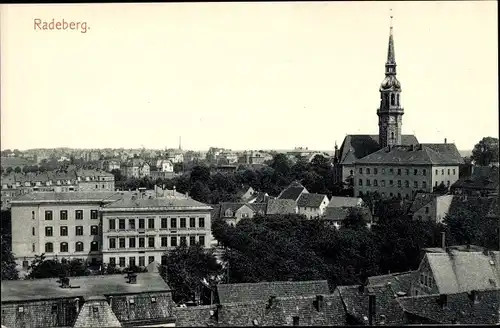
(63, 231)
(407, 171)
(63, 215)
(399, 184)
(63, 247)
(151, 241)
(151, 223)
(132, 263)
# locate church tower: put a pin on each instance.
(390, 113)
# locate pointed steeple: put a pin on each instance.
(390, 65)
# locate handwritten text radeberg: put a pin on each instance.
(61, 25)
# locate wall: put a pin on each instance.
(46, 313)
(27, 217)
(385, 175)
(444, 174)
(158, 232)
(423, 289)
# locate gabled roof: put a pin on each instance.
(356, 304)
(414, 154)
(456, 272)
(259, 312)
(421, 200)
(155, 202)
(96, 312)
(336, 213)
(281, 206)
(356, 146)
(399, 282)
(311, 200)
(460, 308)
(337, 201)
(38, 289)
(245, 292)
(293, 191)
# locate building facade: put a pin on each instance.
(138, 229)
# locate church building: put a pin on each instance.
(393, 164)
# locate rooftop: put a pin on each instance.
(337, 201)
(231, 293)
(72, 196)
(281, 206)
(128, 201)
(293, 191)
(37, 289)
(311, 200)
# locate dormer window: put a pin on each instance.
(229, 213)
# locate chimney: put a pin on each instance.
(371, 309)
(445, 140)
(64, 282)
(132, 277)
(473, 296)
(443, 300)
(272, 301)
(319, 303)
(443, 240)
(110, 301)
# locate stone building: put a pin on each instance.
(370, 163)
(137, 229)
(109, 226)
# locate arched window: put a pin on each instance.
(49, 248)
(392, 135)
(393, 99)
(79, 246)
(63, 247)
(397, 102)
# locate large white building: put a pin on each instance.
(79, 225)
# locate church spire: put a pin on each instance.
(390, 65)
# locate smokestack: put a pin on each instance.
(443, 240)
(371, 308)
(110, 301)
(445, 140)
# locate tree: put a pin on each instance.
(357, 219)
(440, 189)
(41, 267)
(486, 151)
(186, 268)
(9, 271)
(200, 173)
(178, 167)
(281, 164)
(9, 170)
(18, 169)
(200, 192)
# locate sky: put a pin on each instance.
(244, 75)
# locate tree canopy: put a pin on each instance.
(486, 151)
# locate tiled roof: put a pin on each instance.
(281, 206)
(399, 282)
(483, 178)
(293, 191)
(281, 313)
(96, 312)
(259, 208)
(356, 303)
(230, 293)
(337, 201)
(154, 202)
(456, 271)
(336, 213)
(448, 149)
(20, 290)
(356, 146)
(421, 199)
(15, 161)
(92, 173)
(95, 196)
(311, 200)
(460, 308)
(414, 154)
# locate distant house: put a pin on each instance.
(338, 209)
(112, 165)
(165, 165)
(14, 162)
(232, 213)
(136, 168)
(293, 192)
(312, 205)
(431, 207)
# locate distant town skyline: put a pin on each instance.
(244, 75)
